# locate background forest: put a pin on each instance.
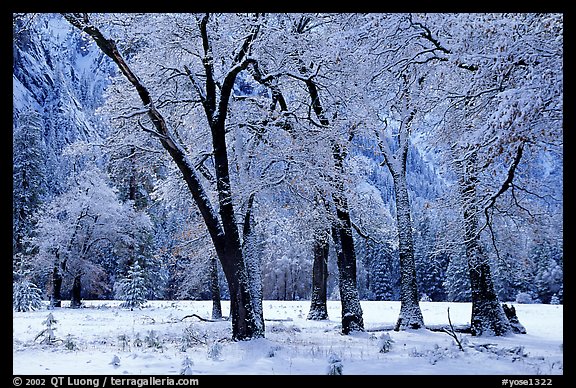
(327, 115)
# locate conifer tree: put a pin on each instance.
(133, 287)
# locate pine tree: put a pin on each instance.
(133, 288)
(457, 283)
(28, 175)
(385, 278)
(335, 365)
(47, 335)
(26, 296)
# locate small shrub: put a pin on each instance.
(215, 351)
(69, 343)
(124, 341)
(26, 296)
(152, 340)
(524, 298)
(385, 343)
(335, 366)
(186, 366)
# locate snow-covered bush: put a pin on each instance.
(425, 298)
(192, 337)
(524, 298)
(115, 361)
(186, 366)
(436, 353)
(124, 341)
(272, 350)
(215, 351)
(554, 299)
(69, 343)
(385, 343)
(152, 340)
(335, 365)
(26, 296)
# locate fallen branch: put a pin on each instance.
(279, 319)
(456, 328)
(197, 316)
(442, 328)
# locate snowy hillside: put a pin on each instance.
(156, 340)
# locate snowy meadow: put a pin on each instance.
(164, 338)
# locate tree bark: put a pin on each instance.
(252, 257)
(76, 294)
(56, 297)
(410, 314)
(488, 317)
(346, 255)
(318, 307)
(215, 290)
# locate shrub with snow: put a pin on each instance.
(524, 298)
(186, 366)
(385, 343)
(335, 365)
(215, 351)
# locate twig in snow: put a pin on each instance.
(452, 332)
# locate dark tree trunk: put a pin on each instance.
(75, 299)
(488, 317)
(252, 255)
(318, 307)
(56, 297)
(215, 290)
(410, 314)
(515, 324)
(346, 255)
(346, 259)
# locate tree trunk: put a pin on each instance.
(56, 297)
(215, 290)
(318, 307)
(75, 298)
(346, 255)
(410, 314)
(253, 269)
(488, 317)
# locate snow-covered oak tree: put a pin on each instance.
(209, 67)
(503, 88)
(78, 231)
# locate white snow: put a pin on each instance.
(293, 345)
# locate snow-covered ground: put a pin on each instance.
(156, 340)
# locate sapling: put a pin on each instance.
(47, 335)
(186, 366)
(385, 343)
(334, 365)
(115, 361)
(215, 351)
